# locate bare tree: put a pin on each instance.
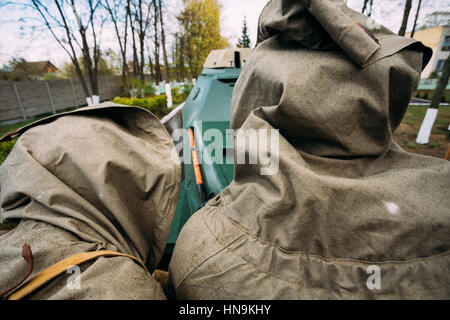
(56, 18)
(140, 21)
(156, 42)
(402, 30)
(370, 2)
(163, 43)
(144, 23)
(442, 83)
(133, 38)
(141, 39)
(364, 6)
(152, 69)
(114, 12)
(431, 114)
(415, 20)
(178, 57)
(91, 63)
(47, 17)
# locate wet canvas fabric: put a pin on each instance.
(349, 214)
(98, 178)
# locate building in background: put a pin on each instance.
(22, 70)
(41, 67)
(437, 39)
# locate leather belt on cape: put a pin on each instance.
(61, 266)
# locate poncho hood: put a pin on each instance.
(332, 83)
(104, 173)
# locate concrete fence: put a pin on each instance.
(26, 99)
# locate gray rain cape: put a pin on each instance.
(349, 214)
(98, 178)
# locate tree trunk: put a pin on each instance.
(181, 59)
(442, 83)
(96, 55)
(155, 25)
(371, 6)
(163, 42)
(122, 47)
(174, 58)
(415, 20)
(430, 116)
(88, 62)
(402, 30)
(86, 54)
(152, 69)
(81, 77)
(364, 6)
(135, 56)
(125, 71)
(73, 56)
(141, 43)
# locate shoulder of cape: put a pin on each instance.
(102, 108)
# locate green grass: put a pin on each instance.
(411, 144)
(4, 129)
(435, 145)
(406, 134)
(415, 114)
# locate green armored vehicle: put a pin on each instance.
(207, 107)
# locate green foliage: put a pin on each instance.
(429, 95)
(199, 34)
(50, 76)
(178, 97)
(244, 40)
(156, 105)
(148, 87)
(5, 149)
(68, 69)
(18, 69)
(187, 88)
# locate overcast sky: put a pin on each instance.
(16, 41)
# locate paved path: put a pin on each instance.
(418, 101)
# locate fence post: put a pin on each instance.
(24, 115)
(73, 93)
(50, 97)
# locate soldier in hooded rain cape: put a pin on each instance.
(95, 179)
(349, 214)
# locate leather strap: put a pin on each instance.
(61, 266)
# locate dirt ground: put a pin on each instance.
(406, 134)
